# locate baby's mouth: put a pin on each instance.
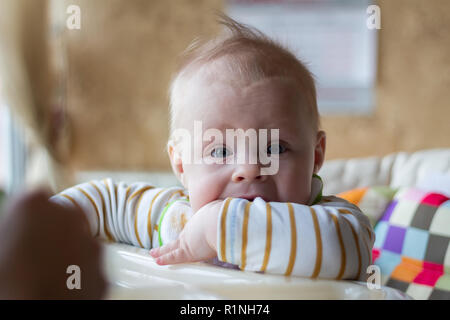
(251, 197)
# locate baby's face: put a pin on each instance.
(267, 104)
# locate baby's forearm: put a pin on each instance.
(333, 240)
(121, 212)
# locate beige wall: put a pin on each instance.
(120, 64)
(413, 87)
(121, 60)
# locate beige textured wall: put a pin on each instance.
(120, 64)
(413, 88)
(121, 60)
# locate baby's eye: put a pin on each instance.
(220, 152)
(275, 148)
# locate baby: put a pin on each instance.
(235, 211)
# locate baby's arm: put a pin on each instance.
(332, 239)
(121, 212)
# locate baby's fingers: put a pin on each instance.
(157, 252)
(171, 253)
(173, 257)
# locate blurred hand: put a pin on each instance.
(197, 241)
(38, 241)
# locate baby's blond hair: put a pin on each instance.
(249, 56)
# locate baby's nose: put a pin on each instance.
(248, 173)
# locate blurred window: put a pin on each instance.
(3, 151)
(331, 37)
(12, 152)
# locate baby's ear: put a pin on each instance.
(175, 160)
(319, 150)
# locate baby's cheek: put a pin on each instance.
(203, 192)
(295, 190)
(206, 184)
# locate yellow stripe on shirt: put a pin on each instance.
(369, 255)
(368, 233)
(180, 192)
(223, 229)
(139, 192)
(115, 193)
(345, 211)
(105, 182)
(245, 235)
(268, 236)
(95, 207)
(127, 192)
(318, 265)
(293, 253)
(149, 215)
(341, 244)
(355, 237)
(78, 207)
(109, 193)
(105, 225)
(71, 200)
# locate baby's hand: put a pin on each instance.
(197, 241)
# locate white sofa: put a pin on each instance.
(133, 274)
(428, 169)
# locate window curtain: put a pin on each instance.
(32, 80)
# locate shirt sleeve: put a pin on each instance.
(121, 212)
(332, 239)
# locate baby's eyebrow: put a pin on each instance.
(206, 142)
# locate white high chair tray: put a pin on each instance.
(134, 274)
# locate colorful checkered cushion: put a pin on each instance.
(412, 238)
(371, 200)
(412, 244)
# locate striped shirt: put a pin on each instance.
(329, 239)
(332, 239)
